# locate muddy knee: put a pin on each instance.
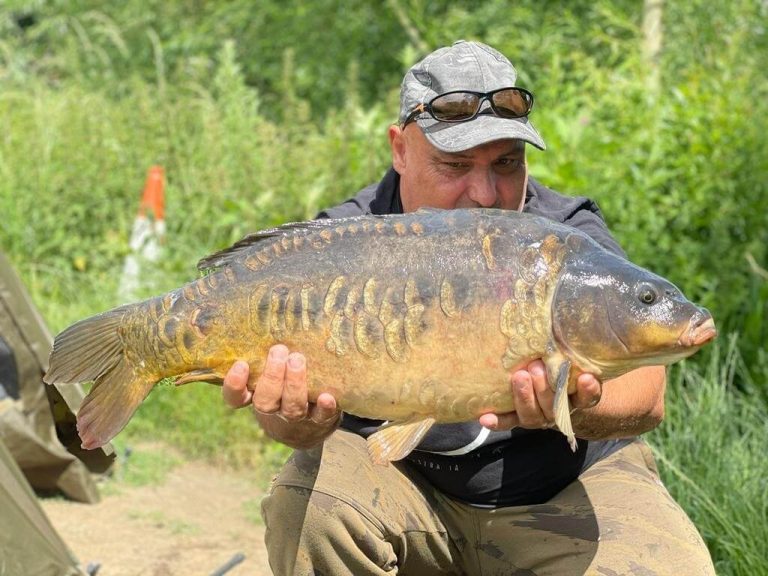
(310, 532)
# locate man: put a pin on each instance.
(504, 495)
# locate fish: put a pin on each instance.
(413, 319)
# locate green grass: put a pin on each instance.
(145, 465)
(194, 419)
(711, 450)
(252, 511)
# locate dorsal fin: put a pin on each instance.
(225, 257)
(259, 239)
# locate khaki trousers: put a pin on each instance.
(331, 512)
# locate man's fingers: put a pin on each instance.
(505, 421)
(545, 396)
(526, 404)
(325, 410)
(294, 402)
(588, 392)
(535, 398)
(268, 392)
(235, 389)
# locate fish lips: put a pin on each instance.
(700, 330)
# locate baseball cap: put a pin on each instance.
(463, 66)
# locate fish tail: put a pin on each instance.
(92, 350)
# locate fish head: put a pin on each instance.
(612, 316)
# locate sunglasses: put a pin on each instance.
(464, 105)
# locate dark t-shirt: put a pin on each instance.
(467, 461)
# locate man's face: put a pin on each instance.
(493, 175)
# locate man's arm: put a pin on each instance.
(630, 405)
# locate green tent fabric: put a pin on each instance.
(28, 542)
(37, 422)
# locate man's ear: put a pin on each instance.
(397, 144)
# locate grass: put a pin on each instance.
(252, 511)
(711, 451)
(146, 465)
(194, 419)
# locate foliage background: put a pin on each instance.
(265, 112)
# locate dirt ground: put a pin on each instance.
(191, 523)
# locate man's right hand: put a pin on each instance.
(280, 399)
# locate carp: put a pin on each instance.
(414, 319)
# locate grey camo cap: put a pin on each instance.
(463, 66)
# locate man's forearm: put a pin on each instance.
(630, 405)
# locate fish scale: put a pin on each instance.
(415, 319)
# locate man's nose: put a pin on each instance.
(482, 189)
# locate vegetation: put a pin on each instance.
(711, 451)
(265, 112)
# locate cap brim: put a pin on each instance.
(460, 136)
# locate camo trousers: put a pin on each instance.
(331, 512)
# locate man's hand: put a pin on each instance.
(280, 399)
(534, 399)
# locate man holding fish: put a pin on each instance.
(504, 494)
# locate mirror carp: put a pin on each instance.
(414, 319)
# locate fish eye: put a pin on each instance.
(646, 293)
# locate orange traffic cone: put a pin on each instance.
(153, 198)
(147, 235)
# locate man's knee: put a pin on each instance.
(312, 532)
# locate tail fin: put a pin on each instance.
(93, 350)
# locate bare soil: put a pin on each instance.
(193, 522)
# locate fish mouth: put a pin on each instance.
(701, 330)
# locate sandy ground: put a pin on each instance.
(192, 523)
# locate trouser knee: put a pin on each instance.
(310, 532)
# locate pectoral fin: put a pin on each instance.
(560, 374)
(396, 440)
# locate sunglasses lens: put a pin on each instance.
(455, 107)
(512, 103)
(460, 106)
